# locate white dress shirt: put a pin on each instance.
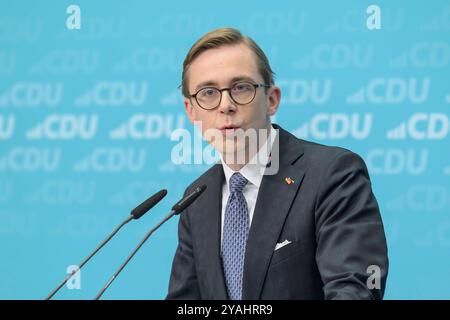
(253, 172)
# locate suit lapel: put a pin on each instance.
(274, 200)
(212, 227)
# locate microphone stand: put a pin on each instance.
(88, 258)
(172, 213)
(136, 213)
(176, 209)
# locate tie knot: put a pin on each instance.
(237, 182)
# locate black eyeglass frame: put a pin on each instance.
(255, 85)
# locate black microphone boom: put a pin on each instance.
(176, 209)
(135, 214)
(145, 206)
(186, 201)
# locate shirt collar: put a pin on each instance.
(254, 170)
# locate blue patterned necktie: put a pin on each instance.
(235, 232)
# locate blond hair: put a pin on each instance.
(221, 37)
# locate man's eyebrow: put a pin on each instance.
(240, 78)
(205, 84)
(214, 83)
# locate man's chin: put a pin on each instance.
(229, 148)
(233, 144)
(232, 151)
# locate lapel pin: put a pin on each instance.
(289, 180)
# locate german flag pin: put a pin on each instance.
(288, 180)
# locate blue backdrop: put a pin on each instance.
(86, 117)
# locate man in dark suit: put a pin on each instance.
(301, 222)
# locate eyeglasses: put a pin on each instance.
(241, 93)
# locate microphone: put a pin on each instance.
(176, 209)
(135, 214)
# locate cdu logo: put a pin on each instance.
(67, 61)
(397, 161)
(421, 126)
(422, 198)
(113, 159)
(63, 192)
(337, 56)
(150, 59)
(430, 55)
(392, 91)
(300, 91)
(336, 126)
(31, 159)
(276, 23)
(148, 126)
(65, 127)
(114, 94)
(32, 94)
(424, 55)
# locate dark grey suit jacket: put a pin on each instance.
(329, 214)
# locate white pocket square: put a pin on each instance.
(282, 244)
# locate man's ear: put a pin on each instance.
(274, 98)
(189, 110)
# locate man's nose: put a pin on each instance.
(227, 105)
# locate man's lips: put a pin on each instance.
(228, 129)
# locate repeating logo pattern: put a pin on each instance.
(89, 105)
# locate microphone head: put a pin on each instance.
(141, 209)
(186, 201)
